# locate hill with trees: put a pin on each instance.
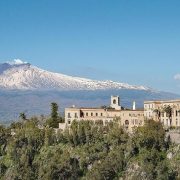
(32, 150)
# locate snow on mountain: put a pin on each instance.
(21, 75)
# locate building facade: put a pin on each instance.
(167, 112)
(127, 118)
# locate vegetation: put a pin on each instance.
(158, 113)
(168, 110)
(22, 116)
(86, 151)
(55, 118)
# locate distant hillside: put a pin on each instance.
(38, 102)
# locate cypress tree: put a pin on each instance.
(54, 112)
(54, 120)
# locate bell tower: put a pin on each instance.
(115, 102)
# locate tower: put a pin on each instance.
(134, 105)
(115, 102)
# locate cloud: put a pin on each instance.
(16, 62)
(177, 76)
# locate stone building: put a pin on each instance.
(128, 118)
(167, 112)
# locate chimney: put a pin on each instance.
(134, 105)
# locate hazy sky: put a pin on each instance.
(133, 41)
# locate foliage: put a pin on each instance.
(149, 148)
(22, 116)
(55, 118)
(149, 136)
(168, 110)
(85, 151)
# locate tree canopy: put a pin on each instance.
(85, 151)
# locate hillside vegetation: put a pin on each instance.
(86, 151)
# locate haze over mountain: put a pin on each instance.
(27, 88)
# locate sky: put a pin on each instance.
(132, 41)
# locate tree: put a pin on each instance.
(4, 138)
(55, 119)
(151, 135)
(87, 151)
(21, 151)
(158, 113)
(23, 116)
(168, 111)
(108, 168)
(54, 111)
(149, 146)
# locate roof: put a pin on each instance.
(85, 108)
(137, 110)
(162, 101)
(110, 110)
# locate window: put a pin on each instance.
(167, 122)
(101, 114)
(126, 122)
(176, 113)
(81, 114)
(69, 121)
(96, 114)
(86, 114)
(91, 114)
(132, 121)
(136, 121)
(75, 115)
(69, 115)
(114, 101)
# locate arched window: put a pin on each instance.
(126, 122)
(114, 101)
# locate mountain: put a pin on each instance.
(21, 75)
(26, 88)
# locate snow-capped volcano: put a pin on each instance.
(21, 75)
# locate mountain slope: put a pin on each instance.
(23, 76)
